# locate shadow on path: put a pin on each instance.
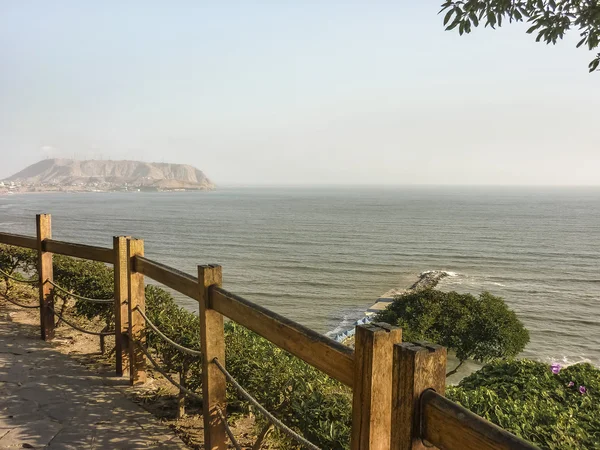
(48, 400)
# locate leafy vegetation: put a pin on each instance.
(297, 393)
(301, 396)
(89, 279)
(180, 326)
(481, 328)
(526, 398)
(15, 261)
(549, 19)
(553, 410)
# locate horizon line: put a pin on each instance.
(304, 185)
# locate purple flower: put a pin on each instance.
(571, 384)
(555, 368)
(582, 390)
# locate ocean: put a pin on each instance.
(322, 256)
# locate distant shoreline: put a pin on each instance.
(141, 191)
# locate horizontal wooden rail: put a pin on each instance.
(330, 356)
(18, 240)
(101, 254)
(449, 426)
(333, 358)
(175, 279)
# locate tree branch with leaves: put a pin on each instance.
(550, 20)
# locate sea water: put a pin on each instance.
(321, 256)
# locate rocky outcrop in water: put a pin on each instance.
(428, 280)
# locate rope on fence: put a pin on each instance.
(270, 417)
(228, 430)
(93, 333)
(18, 280)
(164, 373)
(19, 304)
(189, 351)
(80, 297)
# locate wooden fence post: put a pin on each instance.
(44, 231)
(212, 340)
(417, 368)
(137, 325)
(372, 390)
(121, 307)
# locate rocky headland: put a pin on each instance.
(69, 175)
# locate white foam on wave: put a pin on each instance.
(447, 272)
(566, 361)
(469, 281)
(452, 279)
(347, 321)
(348, 325)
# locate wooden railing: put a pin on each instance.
(398, 388)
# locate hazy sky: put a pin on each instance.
(295, 92)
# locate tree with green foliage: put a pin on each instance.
(549, 19)
(481, 328)
(553, 408)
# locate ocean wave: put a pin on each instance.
(340, 336)
(343, 330)
(473, 281)
(566, 361)
(447, 272)
(347, 320)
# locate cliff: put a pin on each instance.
(107, 174)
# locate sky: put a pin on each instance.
(281, 92)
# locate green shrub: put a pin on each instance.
(526, 398)
(481, 328)
(304, 398)
(180, 326)
(301, 396)
(89, 279)
(18, 262)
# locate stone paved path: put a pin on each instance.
(48, 400)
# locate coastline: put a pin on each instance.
(426, 280)
(99, 191)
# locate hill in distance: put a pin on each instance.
(74, 175)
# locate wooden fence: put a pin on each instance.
(398, 388)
